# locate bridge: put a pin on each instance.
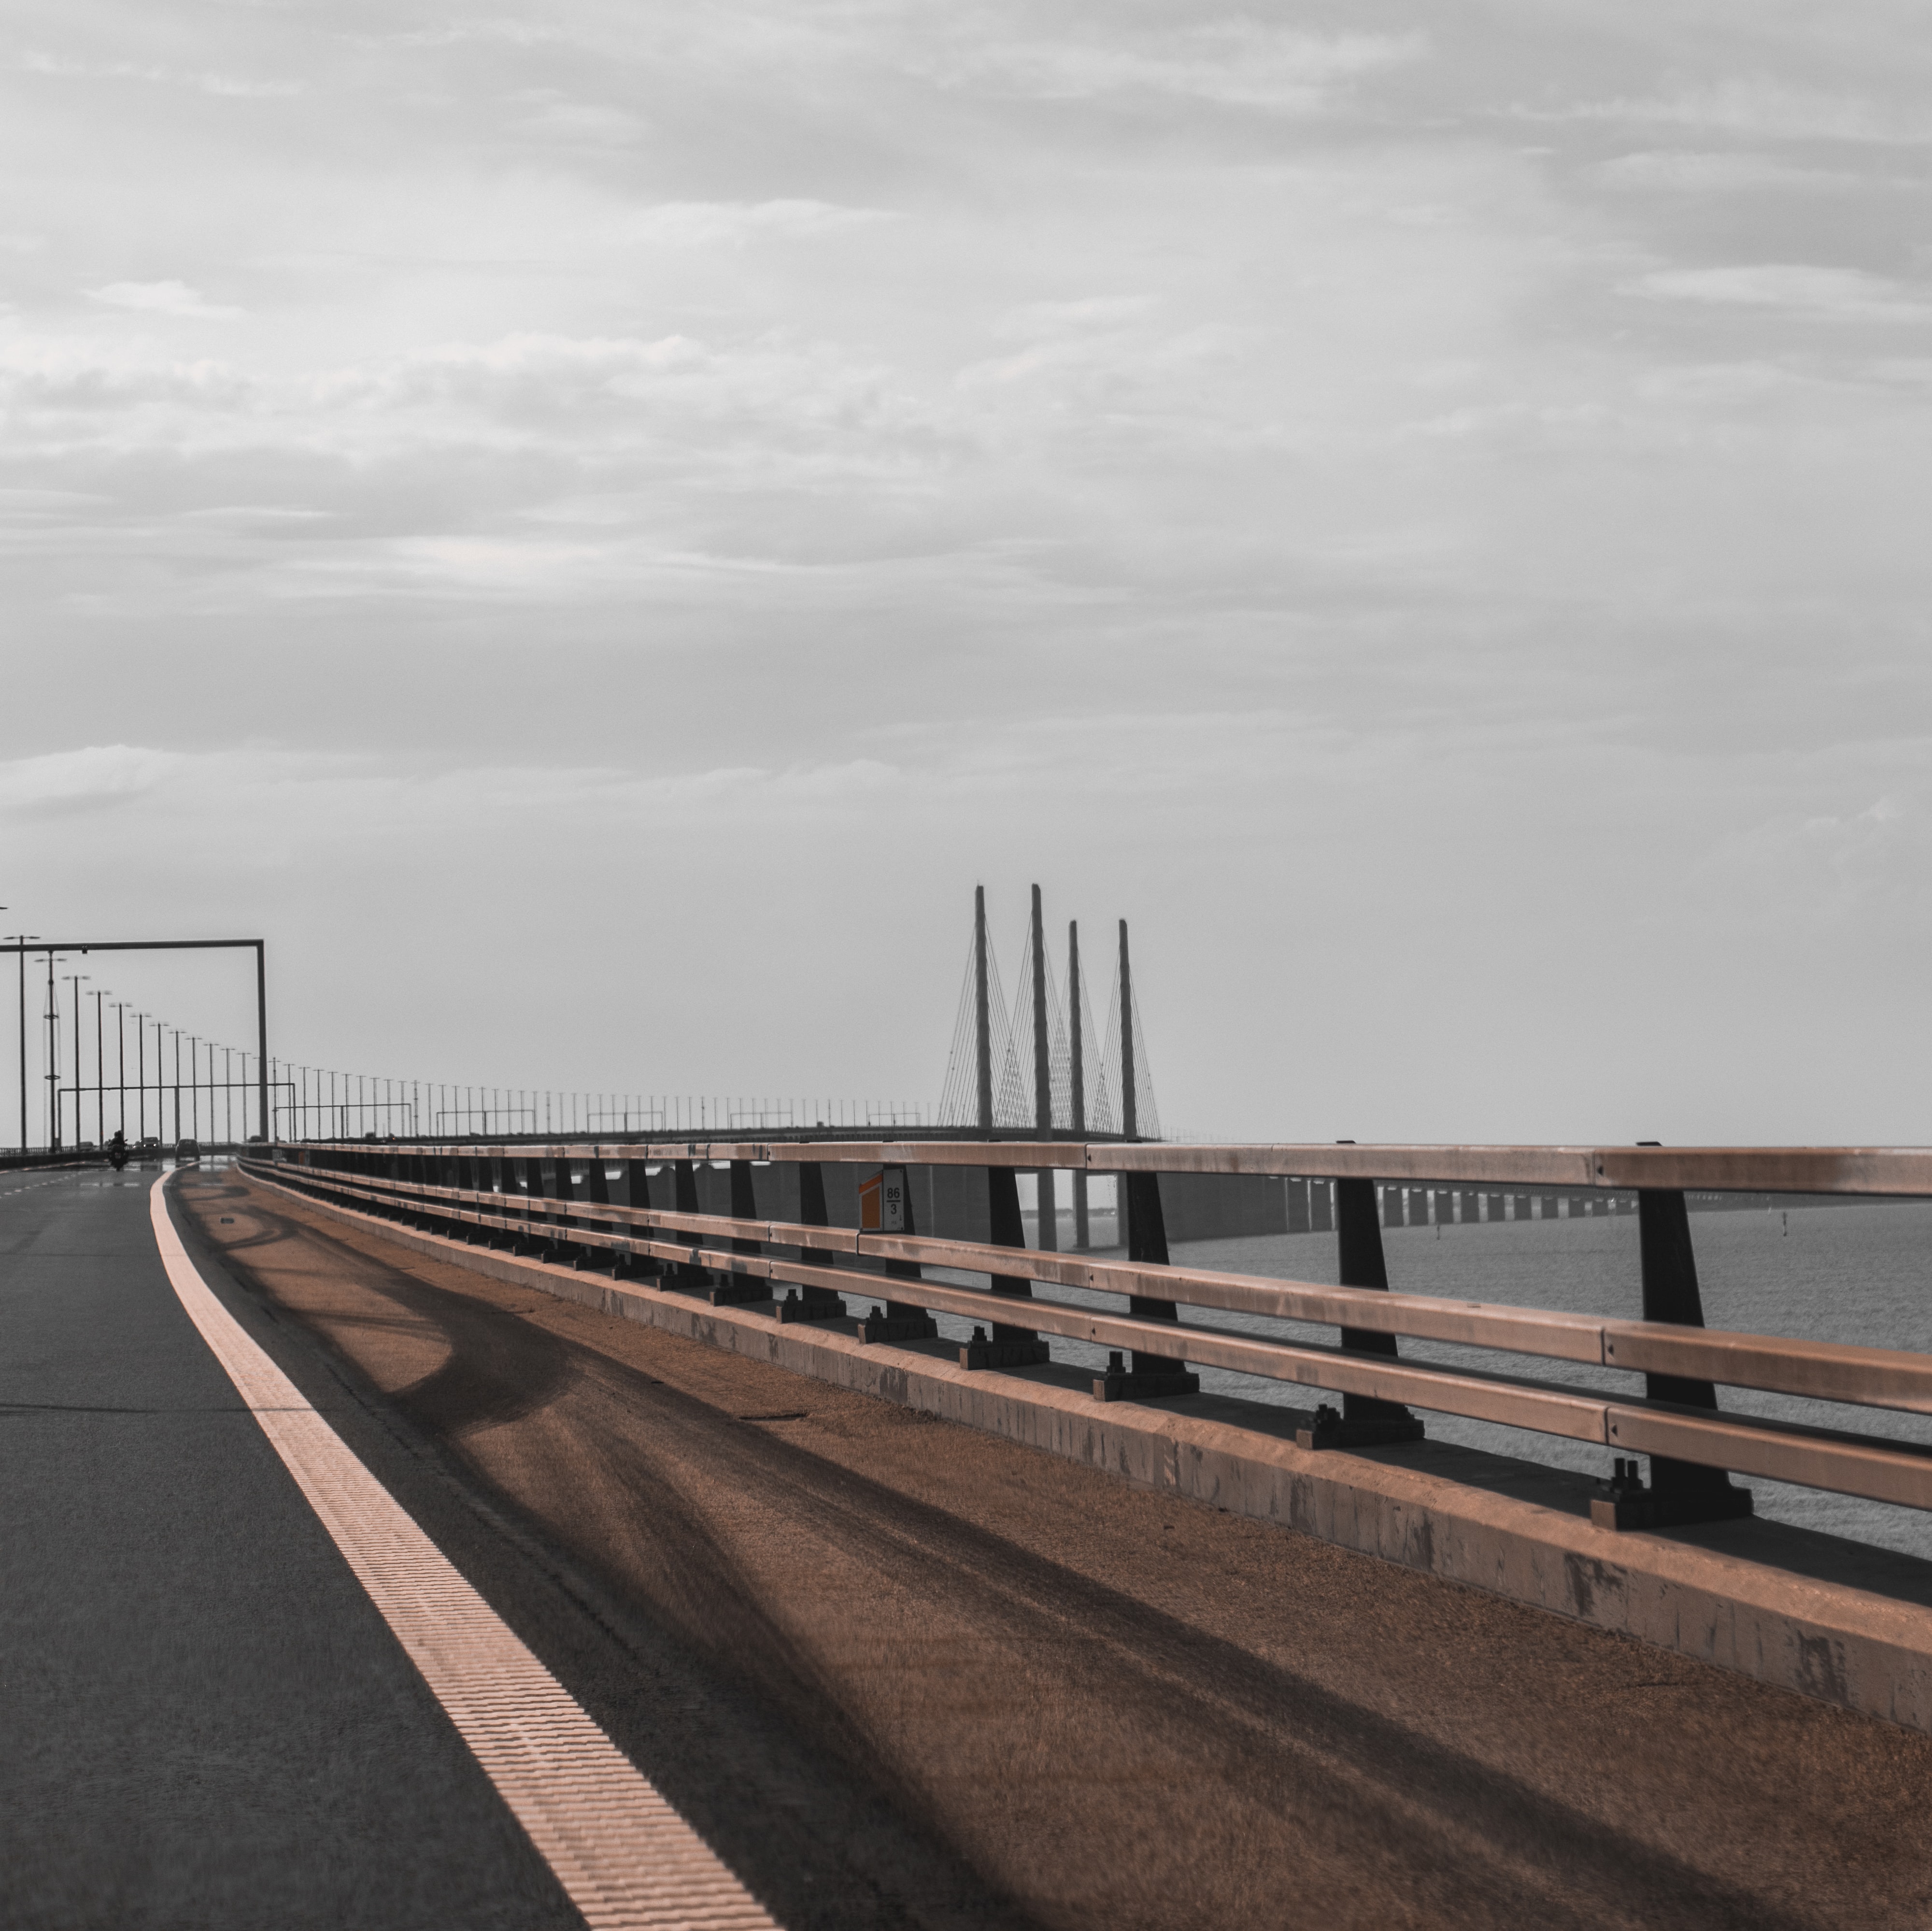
(748, 1532)
(829, 1516)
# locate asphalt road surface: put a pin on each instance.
(895, 1672)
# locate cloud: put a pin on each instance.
(1832, 294)
(1239, 63)
(163, 298)
(256, 794)
(1758, 106)
(702, 224)
(1685, 171)
(228, 86)
(97, 777)
(551, 115)
(506, 32)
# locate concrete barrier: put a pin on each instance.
(1838, 1620)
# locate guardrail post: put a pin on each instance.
(596, 1193)
(684, 1200)
(469, 1228)
(550, 1234)
(1151, 1374)
(1680, 1492)
(806, 1303)
(520, 1175)
(734, 1289)
(504, 1181)
(479, 1236)
(903, 1320)
(428, 1174)
(1365, 1420)
(637, 1193)
(1009, 1347)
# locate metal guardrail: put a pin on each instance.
(1874, 1171)
(729, 1257)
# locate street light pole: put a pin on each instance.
(76, 979)
(52, 1074)
(20, 938)
(121, 1071)
(99, 1073)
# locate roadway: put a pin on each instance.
(893, 1671)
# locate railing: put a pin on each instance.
(512, 1195)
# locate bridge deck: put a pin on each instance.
(896, 1672)
(946, 1680)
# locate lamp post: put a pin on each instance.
(100, 992)
(121, 1070)
(21, 939)
(76, 980)
(52, 1075)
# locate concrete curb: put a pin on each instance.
(1694, 1591)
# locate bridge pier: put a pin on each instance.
(1680, 1492)
(1008, 1346)
(596, 1193)
(905, 1320)
(637, 1193)
(1365, 1420)
(802, 1302)
(1151, 1374)
(727, 1290)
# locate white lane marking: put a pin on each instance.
(628, 1860)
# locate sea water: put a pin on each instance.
(1857, 1273)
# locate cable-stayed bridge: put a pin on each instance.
(636, 1528)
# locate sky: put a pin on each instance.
(593, 530)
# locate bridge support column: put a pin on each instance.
(597, 1193)
(811, 1304)
(727, 1290)
(553, 1179)
(901, 1320)
(539, 1236)
(519, 1184)
(503, 1184)
(1008, 1346)
(1364, 1421)
(1680, 1492)
(637, 1193)
(1151, 1374)
(686, 1274)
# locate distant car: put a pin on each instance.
(148, 1144)
(187, 1149)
